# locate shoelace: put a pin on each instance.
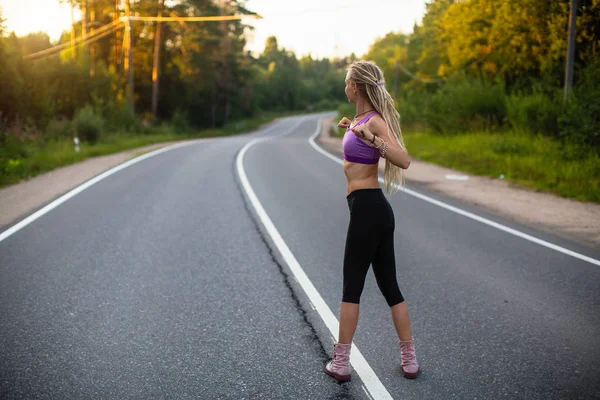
(408, 355)
(338, 362)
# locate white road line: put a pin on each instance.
(361, 366)
(367, 392)
(467, 214)
(46, 209)
(49, 207)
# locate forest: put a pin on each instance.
(479, 85)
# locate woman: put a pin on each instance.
(374, 133)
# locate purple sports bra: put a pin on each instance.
(355, 149)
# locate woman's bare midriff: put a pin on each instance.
(361, 176)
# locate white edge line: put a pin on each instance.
(471, 215)
(49, 207)
(367, 392)
(360, 364)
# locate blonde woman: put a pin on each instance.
(372, 134)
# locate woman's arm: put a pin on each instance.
(376, 127)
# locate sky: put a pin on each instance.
(321, 28)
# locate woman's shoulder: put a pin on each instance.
(376, 121)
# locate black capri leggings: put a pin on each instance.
(370, 240)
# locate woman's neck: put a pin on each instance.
(362, 106)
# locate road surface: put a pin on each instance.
(212, 271)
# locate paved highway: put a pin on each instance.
(212, 270)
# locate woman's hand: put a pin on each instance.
(364, 133)
(344, 123)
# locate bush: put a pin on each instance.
(324, 105)
(118, 116)
(180, 122)
(346, 110)
(58, 129)
(580, 123)
(18, 140)
(88, 125)
(534, 113)
(411, 104)
(123, 118)
(466, 104)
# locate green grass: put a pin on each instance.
(22, 160)
(535, 162)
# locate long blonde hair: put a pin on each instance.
(370, 81)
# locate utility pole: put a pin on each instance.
(128, 40)
(84, 28)
(225, 74)
(156, 64)
(129, 58)
(396, 80)
(117, 49)
(72, 30)
(570, 51)
(92, 46)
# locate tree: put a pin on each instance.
(10, 81)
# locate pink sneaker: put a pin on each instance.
(339, 367)
(410, 367)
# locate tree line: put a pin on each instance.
(206, 77)
(476, 65)
(482, 65)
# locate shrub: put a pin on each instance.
(123, 118)
(580, 122)
(180, 121)
(467, 104)
(534, 113)
(411, 104)
(58, 129)
(346, 110)
(88, 125)
(324, 105)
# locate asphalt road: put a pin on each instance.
(162, 281)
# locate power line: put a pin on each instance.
(415, 77)
(99, 33)
(115, 25)
(191, 19)
(87, 41)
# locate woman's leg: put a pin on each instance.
(384, 268)
(401, 321)
(348, 322)
(361, 244)
(359, 250)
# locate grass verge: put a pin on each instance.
(535, 162)
(27, 159)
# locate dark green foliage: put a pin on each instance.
(88, 125)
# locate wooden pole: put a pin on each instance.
(72, 30)
(129, 59)
(396, 80)
(92, 46)
(570, 51)
(84, 27)
(117, 59)
(156, 63)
